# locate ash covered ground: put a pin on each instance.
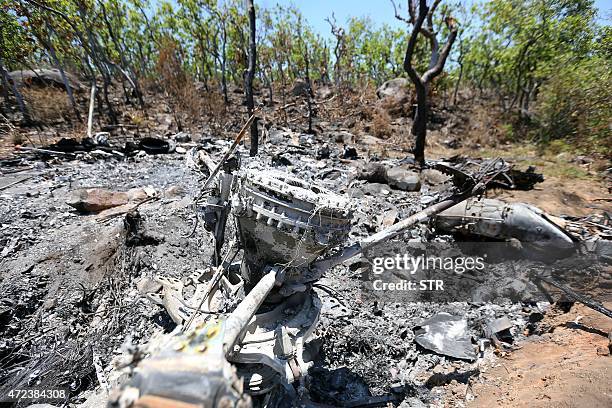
(72, 305)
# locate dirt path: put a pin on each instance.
(569, 367)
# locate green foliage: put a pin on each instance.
(15, 44)
(575, 103)
(521, 43)
(548, 63)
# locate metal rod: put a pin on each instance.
(387, 234)
(240, 317)
(91, 108)
(229, 151)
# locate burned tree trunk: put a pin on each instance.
(338, 33)
(436, 64)
(250, 74)
(18, 97)
(49, 45)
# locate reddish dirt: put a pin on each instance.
(563, 196)
(570, 367)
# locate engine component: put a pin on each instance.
(286, 222)
(499, 220)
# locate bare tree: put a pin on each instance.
(422, 23)
(339, 48)
(250, 74)
(6, 79)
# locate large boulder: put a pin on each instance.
(324, 92)
(44, 77)
(398, 89)
(397, 177)
(395, 96)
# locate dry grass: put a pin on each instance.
(177, 84)
(381, 123)
(47, 105)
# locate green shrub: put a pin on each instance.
(576, 104)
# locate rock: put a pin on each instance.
(173, 191)
(373, 173)
(395, 97)
(355, 192)
(366, 139)
(389, 217)
(403, 179)
(180, 150)
(433, 177)
(41, 77)
(300, 87)
(324, 92)
(342, 136)
(398, 89)
(99, 199)
(412, 402)
(306, 139)
(148, 285)
(277, 136)
(375, 189)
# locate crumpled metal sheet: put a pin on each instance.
(446, 334)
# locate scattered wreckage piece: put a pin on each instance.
(155, 145)
(186, 371)
(18, 181)
(446, 334)
(498, 330)
(496, 219)
(511, 178)
(284, 226)
(286, 221)
(572, 294)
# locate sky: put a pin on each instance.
(379, 11)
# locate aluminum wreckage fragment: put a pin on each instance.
(285, 227)
(499, 220)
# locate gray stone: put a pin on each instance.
(375, 189)
(324, 92)
(342, 136)
(398, 88)
(300, 87)
(147, 285)
(403, 179)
